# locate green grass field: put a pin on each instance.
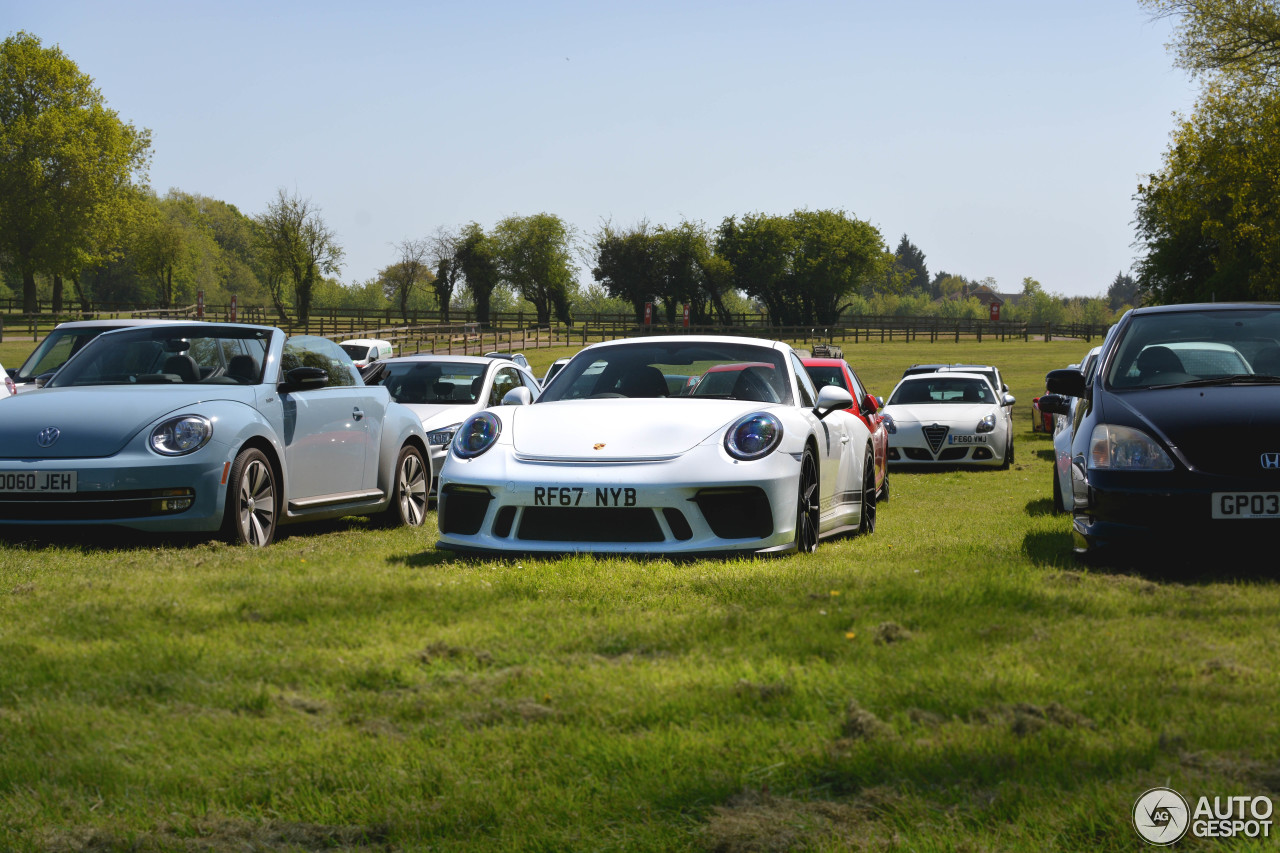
(954, 682)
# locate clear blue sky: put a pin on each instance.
(1006, 138)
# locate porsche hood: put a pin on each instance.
(622, 430)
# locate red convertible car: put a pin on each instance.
(837, 372)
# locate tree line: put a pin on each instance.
(1208, 219)
(79, 225)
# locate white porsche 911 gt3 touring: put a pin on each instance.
(664, 445)
(949, 419)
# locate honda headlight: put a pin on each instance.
(1121, 448)
(476, 435)
(987, 424)
(441, 437)
(185, 434)
(753, 437)
(889, 426)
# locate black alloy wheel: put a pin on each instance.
(807, 506)
(867, 523)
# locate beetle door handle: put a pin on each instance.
(357, 412)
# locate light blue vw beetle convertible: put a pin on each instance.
(209, 427)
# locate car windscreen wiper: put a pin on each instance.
(1233, 379)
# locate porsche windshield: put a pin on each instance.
(708, 369)
(165, 355)
(1201, 347)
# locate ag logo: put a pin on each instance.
(1161, 816)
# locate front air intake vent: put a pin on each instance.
(935, 434)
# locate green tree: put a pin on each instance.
(410, 272)
(535, 259)
(1123, 291)
(1209, 219)
(475, 260)
(759, 249)
(1232, 39)
(909, 268)
(626, 264)
(67, 164)
(297, 249)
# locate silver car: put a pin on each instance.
(209, 427)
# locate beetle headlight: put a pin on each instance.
(441, 437)
(753, 437)
(987, 424)
(1122, 448)
(476, 435)
(889, 426)
(185, 434)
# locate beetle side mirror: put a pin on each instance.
(518, 396)
(304, 379)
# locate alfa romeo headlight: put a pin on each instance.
(753, 437)
(444, 435)
(1121, 448)
(185, 434)
(987, 424)
(476, 435)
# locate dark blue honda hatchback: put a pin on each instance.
(1177, 436)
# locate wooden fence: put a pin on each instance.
(427, 332)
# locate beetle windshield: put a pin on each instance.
(164, 355)
(709, 369)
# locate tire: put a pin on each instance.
(408, 507)
(252, 508)
(1008, 455)
(807, 505)
(867, 523)
(1059, 506)
(883, 497)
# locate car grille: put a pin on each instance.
(935, 434)
(738, 513)
(104, 506)
(953, 453)
(589, 524)
(918, 454)
(462, 509)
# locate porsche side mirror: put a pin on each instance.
(304, 379)
(1066, 381)
(518, 396)
(831, 398)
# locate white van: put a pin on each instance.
(365, 351)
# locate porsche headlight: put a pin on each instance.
(185, 434)
(1122, 448)
(441, 437)
(889, 426)
(987, 424)
(753, 437)
(476, 435)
